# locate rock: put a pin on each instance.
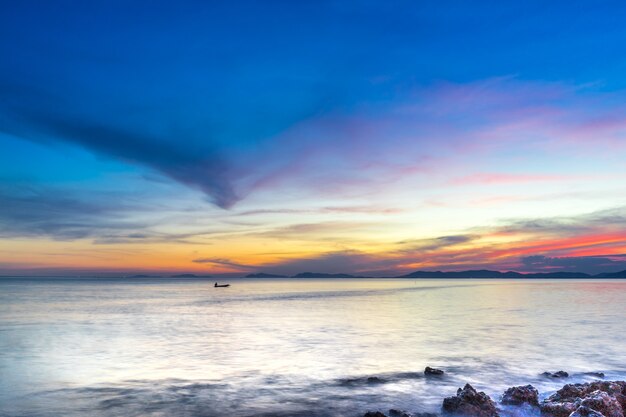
(596, 374)
(520, 395)
(398, 413)
(604, 397)
(375, 380)
(604, 403)
(432, 371)
(558, 374)
(558, 409)
(586, 412)
(374, 414)
(470, 403)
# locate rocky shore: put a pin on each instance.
(590, 399)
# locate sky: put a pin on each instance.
(363, 137)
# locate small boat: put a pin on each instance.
(221, 285)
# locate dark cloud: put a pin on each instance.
(224, 262)
(426, 245)
(588, 264)
(343, 261)
(200, 167)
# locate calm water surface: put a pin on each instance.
(150, 347)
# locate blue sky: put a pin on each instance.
(279, 135)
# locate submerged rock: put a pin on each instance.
(470, 403)
(374, 414)
(375, 380)
(596, 374)
(432, 371)
(521, 395)
(557, 374)
(398, 413)
(370, 380)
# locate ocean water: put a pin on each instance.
(156, 347)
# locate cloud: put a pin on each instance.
(589, 264)
(35, 211)
(345, 261)
(225, 262)
(567, 225)
(593, 242)
(328, 230)
(427, 245)
(28, 211)
(175, 157)
(378, 148)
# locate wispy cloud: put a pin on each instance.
(39, 212)
(36, 211)
(593, 242)
(225, 262)
(425, 135)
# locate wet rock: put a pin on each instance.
(398, 413)
(558, 409)
(586, 412)
(563, 402)
(432, 371)
(470, 403)
(604, 403)
(570, 392)
(521, 395)
(374, 414)
(558, 374)
(605, 397)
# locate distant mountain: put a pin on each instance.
(557, 275)
(190, 276)
(485, 273)
(264, 275)
(322, 275)
(621, 274)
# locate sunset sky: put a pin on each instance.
(362, 137)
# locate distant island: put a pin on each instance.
(190, 276)
(474, 273)
(477, 273)
(171, 276)
(621, 274)
(323, 275)
(485, 273)
(264, 275)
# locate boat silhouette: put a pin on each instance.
(221, 285)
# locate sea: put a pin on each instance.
(295, 347)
